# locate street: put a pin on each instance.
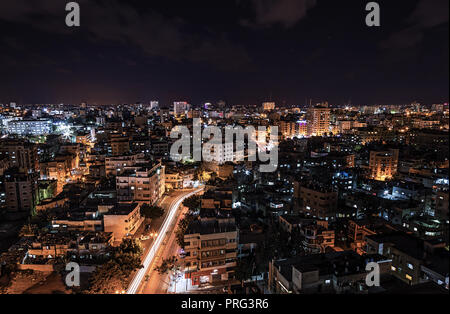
(162, 247)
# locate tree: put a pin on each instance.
(108, 279)
(245, 267)
(112, 276)
(193, 203)
(167, 265)
(182, 227)
(130, 246)
(151, 212)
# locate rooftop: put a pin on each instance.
(210, 227)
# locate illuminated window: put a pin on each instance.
(408, 277)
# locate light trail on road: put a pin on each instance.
(134, 286)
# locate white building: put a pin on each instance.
(30, 127)
(180, 108)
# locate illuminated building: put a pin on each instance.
(320, 202)
(180, 108)
(21, 190)
(141, 182)
(116, 165)
(268, 106)
(318, 120)
(414, 261)
(287, 129)
(30, 127)
(120, 145)
(20, 154)
(302, 128)
(318, 237)
(55, 170)
(383, 165)
(123, 220)
(311, 274)
(154, 104)
(211, 250)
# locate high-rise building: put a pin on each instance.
(116, 165)
(180, 108)
(268, 106)
(120, 145)
(30, 127)
(154, 105)
(21, 191)
(141, 183)
(287, 129)
(55, 170)
(221, 153)
(383, 165)
(21, 154)
(318, 119)
(211, 250)
(318, 201)
(302, 127)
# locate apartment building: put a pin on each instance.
(180, 108)
(288, 129)
(116, 165)
(219, 198)
(414, 260)
(141, 183)
(226, 152)
(160, 148)
(268, 106)
(83, 222)
(333, 272)
(55, 170)
(211, 250)
(318, 201)
(122, 220)
(20, 154)
(67, 243)
(178, 179)
(21, 191)
(317, 237)
(318, 120)
(120, 145)
(383, 164)
(357, 231)
(377, 134)
(30, 127)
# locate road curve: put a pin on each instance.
(137, 280)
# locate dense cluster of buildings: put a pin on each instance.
(354, 185)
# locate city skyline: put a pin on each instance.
(230, 154)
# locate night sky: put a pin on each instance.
(241, 51)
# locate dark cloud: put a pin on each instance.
(426, 15)
(284, 12)
(197, 50)
(118, 22)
